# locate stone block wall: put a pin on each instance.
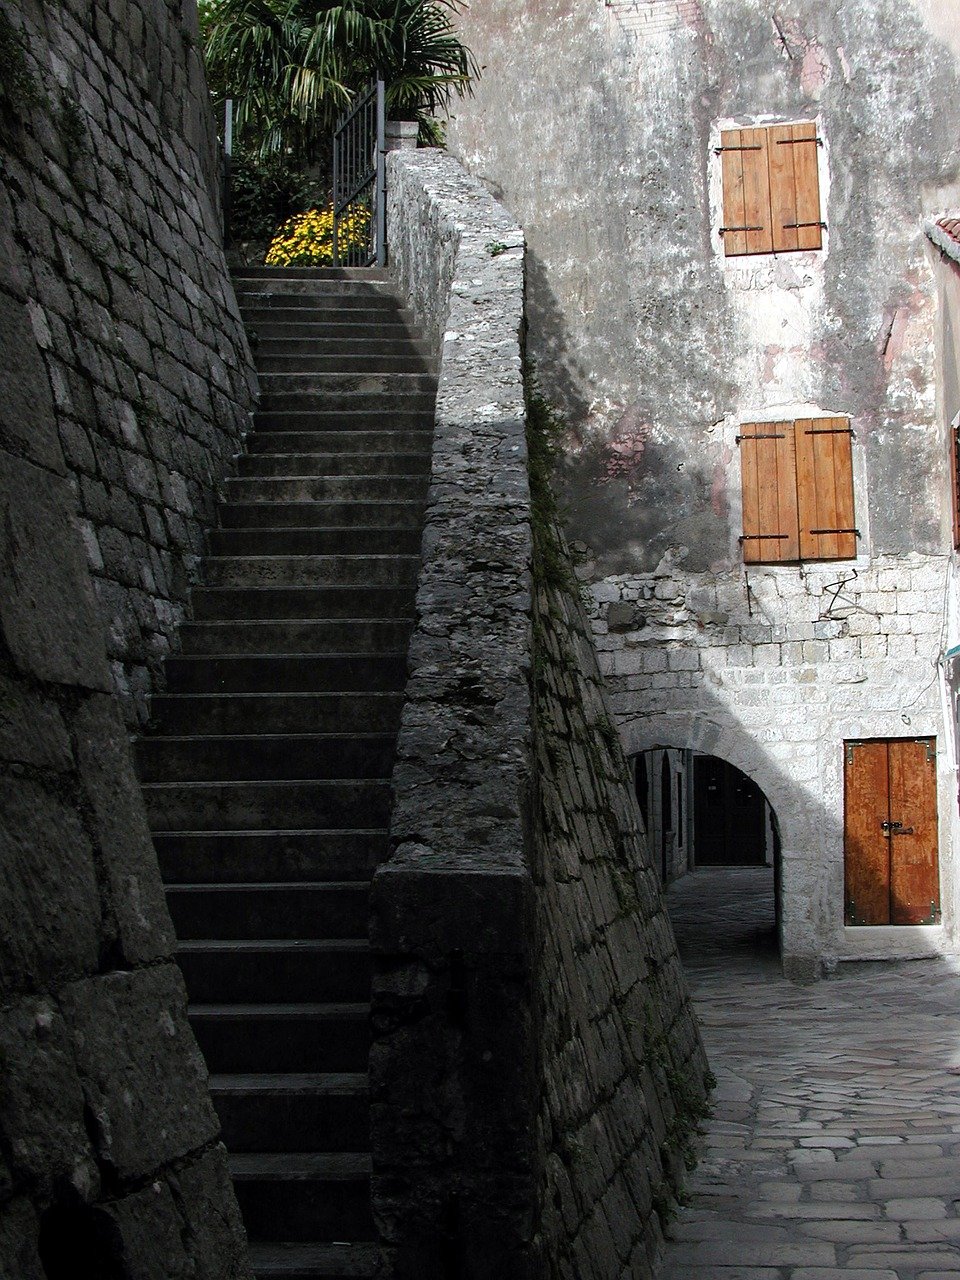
(125, 388)
(624, 1073)
(535, 1063)
(110, 1164)
(108, 155)
(773, 672)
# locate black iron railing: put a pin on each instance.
(359, 183)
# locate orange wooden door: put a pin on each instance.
(914, 876)
(891, 874)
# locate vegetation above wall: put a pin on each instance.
(293, 66)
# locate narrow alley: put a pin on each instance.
(834, 1149)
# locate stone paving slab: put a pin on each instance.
(834, 1149)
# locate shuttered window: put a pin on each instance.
(797, 482)
(955, 482)
(771, 190)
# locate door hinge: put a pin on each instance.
(796, 142)
(753, 146)
(797, 226)
(765, 435)
(725, 230)
(935, 913)
(819, 531)
(851, 746)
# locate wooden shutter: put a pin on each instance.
(768, 470)
(891, 873)
(746, 192)
(914, 877)
(825, 489)
(866, 855)
(795, 188)
(955, 482)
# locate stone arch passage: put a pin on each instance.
(703, 812)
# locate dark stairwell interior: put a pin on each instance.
(267, 769)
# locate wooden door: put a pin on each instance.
(891, 873)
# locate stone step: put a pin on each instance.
(387, 402)
(283, 361)
(272, 673)
(356, 488)
(286, 1261)
(264, 756)
(312, 570)
(336, 909)
(229, 713)
(293, 1112)
(375, 275)
(219, 857)
(358, 345)
(390, 461)
(341, 295)
(344, 514)
(256, 806)
(403, 417)
(335, 384)
(352, 328)
(274, 604)
(253, 972)
(356, 541)
(304, 1197)
(338, 635)
(328, 441)
(283, 1037)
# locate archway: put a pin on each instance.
(710, 825)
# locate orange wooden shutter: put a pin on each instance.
(795, 188)
(746, 192)
(955, 482)
(914, 874)
(825, 489)
(866, 853)
(768, 470)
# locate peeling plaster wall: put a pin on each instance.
(595, 124)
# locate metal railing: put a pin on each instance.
(359, 183)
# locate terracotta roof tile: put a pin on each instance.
(951, 226)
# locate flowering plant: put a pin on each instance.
(306, 239)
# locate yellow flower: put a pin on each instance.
(306, 239)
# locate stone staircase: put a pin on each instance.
(267, 770)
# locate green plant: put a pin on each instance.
(265, 193)
(496, 247)
(292, 66)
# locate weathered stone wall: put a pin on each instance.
(109, 159)
(109, 1159)
(517, 928)
(624, 1074)
(597, 124)
(124, 389)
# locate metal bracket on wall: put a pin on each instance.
(851, 746)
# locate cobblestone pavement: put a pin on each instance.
(834, 1148)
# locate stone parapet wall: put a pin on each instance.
(110, 1163)
(452, 1070)
(517, 928)
(110, 163)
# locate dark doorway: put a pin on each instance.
(730, 813)
(666, 823)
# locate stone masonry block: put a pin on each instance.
(132, 877)
(131, 1039)
(49, 903)
(32, 729)
(41, 1103)
(19, 1229)
(48, 612)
